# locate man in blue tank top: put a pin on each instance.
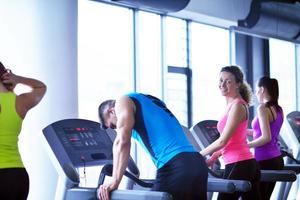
(181, 170)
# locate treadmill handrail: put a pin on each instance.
(213, 184)
(107, 171)
(278, 175)
(284, 152)
(292, 167)
(220, 185)
(89, 193)
(274, 175)
(242, 185)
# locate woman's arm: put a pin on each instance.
(29, 99)
(264, 122)
(234, 118)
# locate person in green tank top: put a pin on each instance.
(14, 180)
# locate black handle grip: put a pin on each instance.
(107, 171)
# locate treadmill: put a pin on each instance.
(240, 185)
(74, 144)
(293, 119)
(206, 132)
(291, 163)
(79, 143)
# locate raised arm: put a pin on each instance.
(264, 122)
(29, 99)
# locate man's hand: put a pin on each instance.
(105, 190)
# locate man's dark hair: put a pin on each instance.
(101, 109)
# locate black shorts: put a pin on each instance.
(266, 188)
(184, 177)
(243, 170)
(14, 184)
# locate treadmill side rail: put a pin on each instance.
(89, 194)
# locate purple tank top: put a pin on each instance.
(271, 149)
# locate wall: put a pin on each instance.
(38, 38)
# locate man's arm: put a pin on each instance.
(121, 149)
(124, 109)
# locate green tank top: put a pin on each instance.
(10, 128)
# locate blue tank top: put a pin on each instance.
(157, 129)
(271, 149)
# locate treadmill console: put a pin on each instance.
(80, 142)
(206, 131)
(294, 121)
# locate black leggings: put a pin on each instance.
(266, 188)
(184, 177)
(244, 170)
(14, 184)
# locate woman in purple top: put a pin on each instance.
(266, 127)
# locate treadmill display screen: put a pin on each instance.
(297, 122)
(294, 121)
(81, 138)
(79, 141)
(212, 133)
(296, 127)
